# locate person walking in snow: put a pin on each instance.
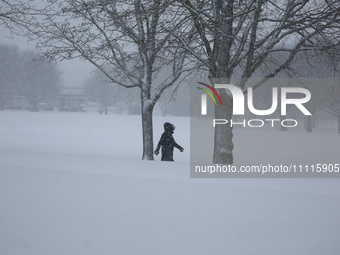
(167, 142)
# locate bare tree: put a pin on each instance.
(331, 102)
(133, 38)
(100, 90)
(38, 79)
(236, 38)
(23, 74)
(8, 72)
(316, 67)
(13, 14)
(329, 62)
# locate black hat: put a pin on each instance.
(169, 127)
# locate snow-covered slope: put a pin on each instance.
(73, 183)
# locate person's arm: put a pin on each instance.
(160, 143)
(177, 146)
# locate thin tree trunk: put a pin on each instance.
(309, 124)
(34, 106)
(282, 128)
(2, 105)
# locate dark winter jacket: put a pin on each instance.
(167, 142)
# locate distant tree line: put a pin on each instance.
(98, 88)
(26, 74)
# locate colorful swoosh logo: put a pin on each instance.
(209, 93)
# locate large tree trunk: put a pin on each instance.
(309, 124)
(219, 68)
(223, 140)
(147, 129)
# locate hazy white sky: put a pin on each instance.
(74, 71)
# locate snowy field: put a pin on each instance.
(73, 183)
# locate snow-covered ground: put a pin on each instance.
(73, 183)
